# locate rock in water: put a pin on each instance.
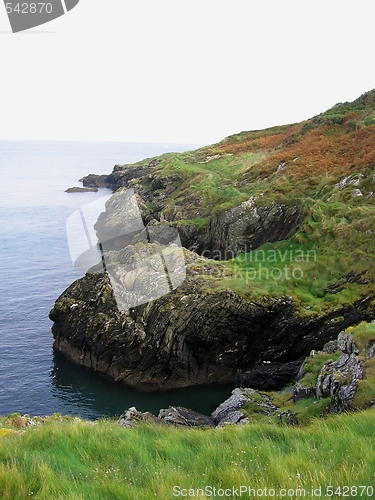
(81, 190)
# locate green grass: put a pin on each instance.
(206, 184)
(74, 459)
(303, 270)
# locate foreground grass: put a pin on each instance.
(72, 459)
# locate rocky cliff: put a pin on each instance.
(197, 334)
(249, 316)
(222, 236)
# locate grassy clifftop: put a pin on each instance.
(289, 163)
(325, 166)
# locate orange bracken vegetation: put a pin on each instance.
(313, 152)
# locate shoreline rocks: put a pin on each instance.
(236, 410)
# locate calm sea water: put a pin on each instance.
(35, 270)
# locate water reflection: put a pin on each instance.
(84, 393)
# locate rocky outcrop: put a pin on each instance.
(196, 334)
(185, 417)
(248, 226)
(95, 181)
(338, 380)
(132, 417)
(174, 415)
(229, 410)
(124, 176)
(244, 403)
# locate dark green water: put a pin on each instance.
(87, 394)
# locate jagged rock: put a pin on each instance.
(338, 380)
(95, 181)
(241, 229)
(345, 343)
(331, 347)
(131, 417)
(356, 193)
(288, 417)
(184, 417)
(350, 277)
(353, 180)
(248, 226)
(228, 412)
(371, 352)
(179, 416)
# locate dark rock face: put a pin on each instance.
(193, 335)
(270, 376)
(248, 226)
(241, 229)
(95, 181)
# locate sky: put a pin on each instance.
(182, 71)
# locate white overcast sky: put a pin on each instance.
(182, 71)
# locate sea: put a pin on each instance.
(36, 268)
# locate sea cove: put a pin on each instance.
(36, 269)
